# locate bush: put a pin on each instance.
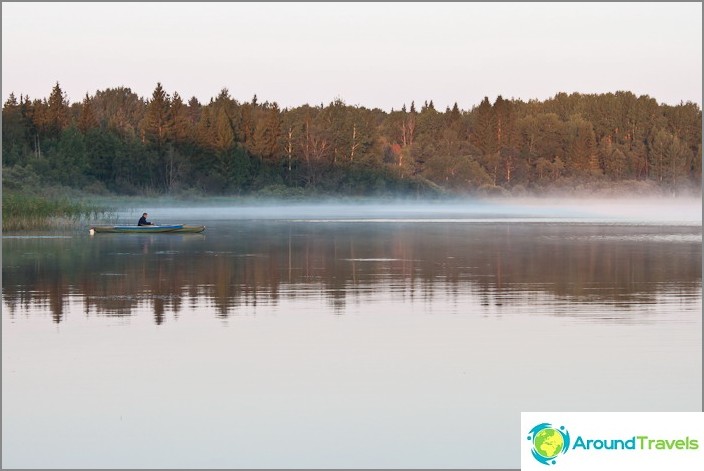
(20, 178)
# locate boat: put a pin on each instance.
(169, 229)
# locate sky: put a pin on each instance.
(376, 55)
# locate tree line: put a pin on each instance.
(116, 141)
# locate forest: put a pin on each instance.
(118, 143)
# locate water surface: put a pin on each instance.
(348, 337)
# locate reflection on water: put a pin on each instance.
(338, 344)
(235, 267)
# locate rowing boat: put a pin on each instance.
(171, 229)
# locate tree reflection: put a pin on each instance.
(500, 265)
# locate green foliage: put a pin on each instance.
(68, 162)
(117, 141)
(23, 211)
(157, 122)
(19, 177)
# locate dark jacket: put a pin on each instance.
(143, 222)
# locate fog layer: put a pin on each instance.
(642, 210)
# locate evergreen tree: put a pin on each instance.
(582, 153)
(267, 134)
(157, 122)
(57, 113)
(13, 132)
(180, 124)
(86, 118)
(193, 111)
(485, 131)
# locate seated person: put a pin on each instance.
(143, 221)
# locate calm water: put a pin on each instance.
(354, 337)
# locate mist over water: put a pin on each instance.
(685, 211)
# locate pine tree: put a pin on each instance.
(583, 156)
(86, 117)
(180, 127)
(267, 134)
(157, 122)
(13, 142)
(193, 111)
(504, 123)
(223, 132)
(57, 117)
(484, 134)
(455, 114)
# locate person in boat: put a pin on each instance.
(143, 221)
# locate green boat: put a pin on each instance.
(169, 229)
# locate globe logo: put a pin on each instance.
(548, 442)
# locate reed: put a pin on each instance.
(32, 212)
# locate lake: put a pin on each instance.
(404, 335)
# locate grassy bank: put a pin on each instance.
(32, 212)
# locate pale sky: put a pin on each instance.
(367, 54)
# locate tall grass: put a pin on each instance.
(27, 212)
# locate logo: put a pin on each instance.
(548, 442)
(611, 440)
